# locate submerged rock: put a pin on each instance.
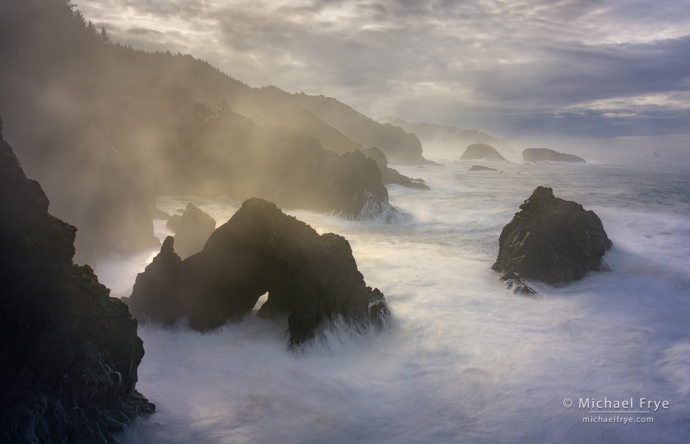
(547, 155)
(482, 168)
(68, 352)
(481, 151)
(193, 230)
(259, 250)
(514, 282)
(552, 240)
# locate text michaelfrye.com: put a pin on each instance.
(615, 411)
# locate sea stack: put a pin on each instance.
(68, 351)
(552, 240)
(259, 250)
(481, 151)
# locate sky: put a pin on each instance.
(597, 69)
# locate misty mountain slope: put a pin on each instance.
(298, 117)
(232, 155)
(449, 140)
(107, 128)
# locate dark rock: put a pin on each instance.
(481, 151)
(656, 154)
(193, 231)
(552, 240)
(160, 214)
(68, 352)
(482, 168)
(259, 250)
(547, 155)
(514, 282)
(391, 175)
(173, 223)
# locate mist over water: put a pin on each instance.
(464, 359)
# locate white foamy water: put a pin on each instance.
(464, 360)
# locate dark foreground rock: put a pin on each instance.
(193, 231)
(260, 249)
(481, 151)
(482, 168)
(547, 155)
(68, 352)
(552, 240)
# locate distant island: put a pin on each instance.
(547, 155)
(481, 151)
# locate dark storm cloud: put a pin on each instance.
(596, 65)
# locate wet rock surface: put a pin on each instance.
(552, 240)
(259, 250)
(68, 352)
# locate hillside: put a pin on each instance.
(106, 128)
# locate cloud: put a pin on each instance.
(513, 66)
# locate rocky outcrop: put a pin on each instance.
(656, 154)
(193, 231)
(391, 175)
(547, 155)
(68, 352)
(259, 250)
(481, 151)
(482, 168)
(552, 240)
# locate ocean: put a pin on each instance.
(464, 360)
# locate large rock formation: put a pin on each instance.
(547, 155)
(68, 352)
(193, 231)
(481, 151)
(310, 276)
(552, 240)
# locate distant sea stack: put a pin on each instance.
(482, 168)
(68, 351)
(656, 154)
(547, 155)
(481, 151)
(193, 230)
(552, 240)
(259, 250)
